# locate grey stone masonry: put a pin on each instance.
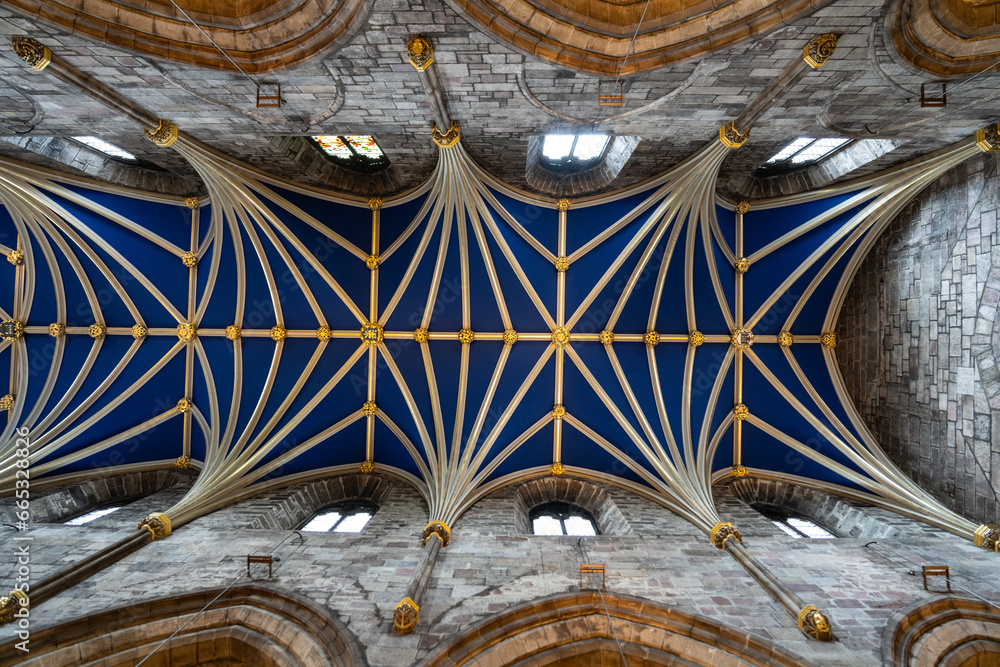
(919, 339)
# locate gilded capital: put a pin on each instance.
(987, 537)
(139, 331)
(988, 138)
(651, 338)
(829, 339)
(446, 139)
(786, 339)
(562, 205)
(731, 137)
(606, 337)
(189, 259)
(439, 529)
(466, 336)
(192, 202)
(421, 335)
(562, 263)
(819, 49)
(57, 330)
(558, 411)
(420, 52)
(187, 331)
(696, 338)
(15, 257)
(509, 337)
(814, 623)
(278, 333)
(182, 462)
(374, 203)
(367, 466)
(372, 262)
(557, 468)
(743, 265)
(560, 336)
(184, 405)
(233, 332)
(740, 471)
(97, 331)
(743, 207)
(405, 616)
(11, 603)
(164, 135)
(741, 411)
(11, 330)
(721, 532)
(7, 402)
(324, 333)
(32, 52)
(369, 409)
(157, 524)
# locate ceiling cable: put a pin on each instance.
(209, 38)
(631, 44)
(621, 652)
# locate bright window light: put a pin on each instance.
(558, 518)
(353, 523)
(578, 525)
(547, 525)
(557, 146)
(322, 523)
(589, 146)
(349, 516)
(789, 531)
(91, 516)
(809, 529)
(806, 149)
(104, 147)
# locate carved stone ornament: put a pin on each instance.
(740, 471)
(164, 135)
(742, 339)
(372, 262)
(372, 334)
(57, 330)
(6, 402)
(743, 207)
(420, 52)
(189, 259)
(731, 137)
(405, 616)
(439, 528)
(187, 331)
(421, 335)
(157, 524)
(11, 603)
(560, 336)
(97, 331)
(651, 338)
(988, 138)
(743, 265)
(11, 330)
(369, 409)
(814, 623)
(558, 411)
(829, 339)
(696, 338)
(606, 337)
(509, 337)
(562, 205)
(988, 537)
(184, 405)
(182, 462)
(721, 532)
(374, 203)
(562, 263)
(819, 49)
(557, 468)
(32, 52)
(447, 139)
(278, 332)
(786, 339)
(15, 257)
(367, 466)
(466, 336)
(139, 331)
(233, 332)
(741, 411)
(192, 202)
(324, 333)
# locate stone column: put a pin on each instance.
(407, 612)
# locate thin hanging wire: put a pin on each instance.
(631, 44)
(614, 632)
(209, 38)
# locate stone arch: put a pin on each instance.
(591, 497)
(947, 631)
(247, 625)
(288, 508)
(568, 629)
(66, 501)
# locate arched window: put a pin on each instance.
(803, 151)
(93, 515)
(562, 519)
(359, 152)
(793, 525)
(349, 516)
(572, 152)
(107, 148)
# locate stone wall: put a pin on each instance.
(491, 566)
(919, 340)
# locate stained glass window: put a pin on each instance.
(573, 151)
(346, 517)
(357, 151)
(805, 150)
(107, 148)
(562, 519)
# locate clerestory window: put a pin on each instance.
(562, 519)
(573, 152)
(93, 515)
(793, 525)
(349, 516)
(355, 151)
(107, 148)
(804, 151)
